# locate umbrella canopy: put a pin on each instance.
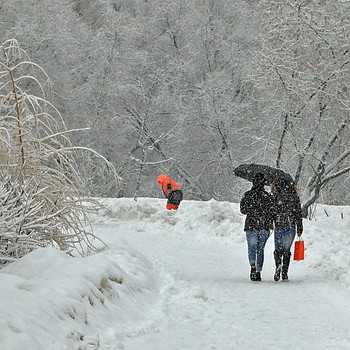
(248, 172)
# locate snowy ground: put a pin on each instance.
(179, 281)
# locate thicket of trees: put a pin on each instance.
(305, 66)
(195, 88)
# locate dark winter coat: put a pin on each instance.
(257, 205)
(287, 212)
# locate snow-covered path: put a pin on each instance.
(208, 300)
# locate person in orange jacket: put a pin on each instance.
(171, 190)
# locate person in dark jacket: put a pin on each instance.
(287, 222)
(257, 205)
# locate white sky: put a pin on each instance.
(179, 281)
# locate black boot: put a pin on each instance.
(285, 265)
(253, 272)
(258, 276)
(278, 261)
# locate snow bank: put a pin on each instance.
(209, 218)
(52, 301)
(327, 242)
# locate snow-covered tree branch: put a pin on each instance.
(40, 201)
(305, 65)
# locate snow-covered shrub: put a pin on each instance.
(40, 203)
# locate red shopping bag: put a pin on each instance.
(299, 249)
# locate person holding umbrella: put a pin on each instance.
(287, 222)
(257, 205)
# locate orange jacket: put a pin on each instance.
(168, 184)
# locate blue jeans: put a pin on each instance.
(256, 244)
(284, 239)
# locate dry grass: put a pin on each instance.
(40, 204)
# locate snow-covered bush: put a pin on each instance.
(40, 203)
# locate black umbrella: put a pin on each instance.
(248, 172)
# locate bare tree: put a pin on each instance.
(305, 63)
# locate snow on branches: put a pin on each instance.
(40, 204)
